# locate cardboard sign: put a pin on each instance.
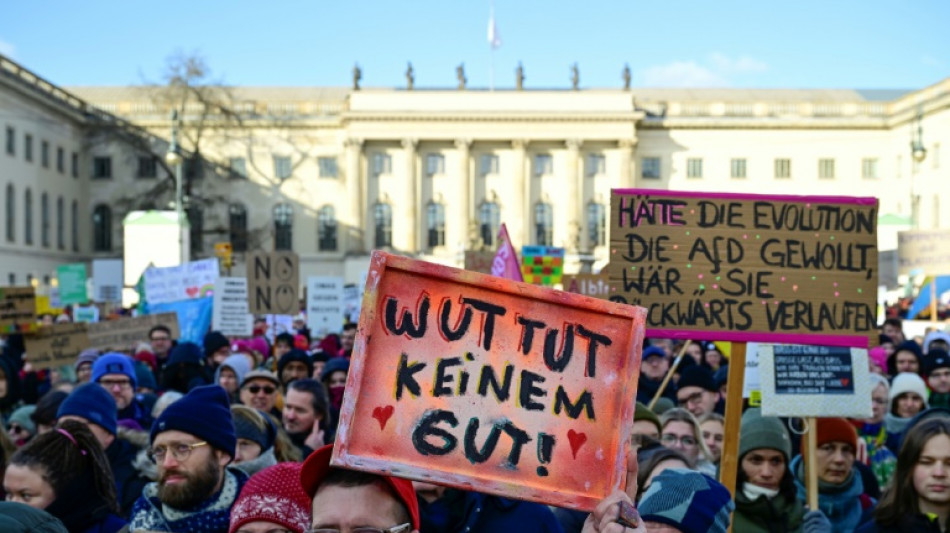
(86, 314)
(741, 267)
(72, 283)
(542, 265)
(107, 280)
(229, 313)
(56, 345)
(124, 333)
(479, 261)
(814, 381)
(273, 280)
(183, 282)
(924, 251)
(593, 285)
(17, 308)
(487, 384)
(324, 305)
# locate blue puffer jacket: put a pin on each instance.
(845, 505)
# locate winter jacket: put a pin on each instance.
(129, 480)
(21, 518)
(210, 516)
(909, 524)
(136, 411)
(845, 504)
(646, 390)
(474, 512)
(767, 515)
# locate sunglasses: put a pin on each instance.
(254, 389)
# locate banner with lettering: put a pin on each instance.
(183, 282)
(492, 385)
(744, 267)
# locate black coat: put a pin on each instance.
(129, 482)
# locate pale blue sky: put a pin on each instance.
(828, 43)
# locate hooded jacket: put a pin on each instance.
(21, 518)
(844, 504)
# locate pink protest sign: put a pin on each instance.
(487, 384)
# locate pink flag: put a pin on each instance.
(506, 264)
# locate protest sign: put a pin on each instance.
(741, 267)
(814, 381)
(479, 261)
(71, 280)
(194, 317)
(277, 324)
(229, 314)
(17, 308)
(273, 281)
(122, 334)
(491, 385)
(56, 345)
(86, 314)
(107, 280)
(352, 302)
(593, 285)
(542, 265)
(923, 251)
(182, 282)
(324, 305)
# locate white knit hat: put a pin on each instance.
(907, 382)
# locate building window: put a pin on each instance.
(597, 224)
(282, 167)
(237, 168)
(826, 169)
(326, 229)
(11, 213)
(435, 164)
(44, 220)
(283, 227)
(543, 165)
(737, 168)
(194, 168)
(869, 168)
(11, 141)
(60, 224)
(489, 221)
(694, 167)
(101, 168)
(596, 165)
(196, 228)
(148, 167)
(650, 168)
(60, 160)
(28, 216)
(783, 168)
(11, 278)
(435, 222)
(102, 229)
(237, 227)
(382, 164)
(327, 167)
(28, 147)
(44, 154)
(74, 168)
(383, 217)
(74, 219)
(488, 164)
(543, 224)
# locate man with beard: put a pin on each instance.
(305, 408)
(192, 443)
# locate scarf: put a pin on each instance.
(210, 516)
(895, 424)
(255, 465)
(752, 492)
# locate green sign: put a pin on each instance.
(72, 283)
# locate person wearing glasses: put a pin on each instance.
(160, 338)
(348, 501)
(115, 372)
(192, 443)
(696, 391)
(681, 432)
(259, 390)
(273, 501)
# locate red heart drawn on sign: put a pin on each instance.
(191, 291)
(845, 381)
(382, 414)
(577, 440)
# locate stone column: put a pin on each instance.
(466, 190)
(523, 177)
(575, 193)
(627, 169)
(411, 214)
(356, 196)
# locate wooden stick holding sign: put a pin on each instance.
(729, 465)
(669, 375)
(811, 466)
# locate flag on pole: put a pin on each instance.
(494, 39)
(506, 264)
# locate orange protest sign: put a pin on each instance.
(492, 385)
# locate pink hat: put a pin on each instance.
(273, 495)
(878, 356)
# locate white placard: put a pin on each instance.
(277, 324)
(324, 305)
(751, 382)
(107, 280)
(87, 314)
(229, 314)
(183, 282)
(817, 381)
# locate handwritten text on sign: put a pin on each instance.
(813, 370)
(746, 267)
(498, 386)
(800, 380)
(273, 281)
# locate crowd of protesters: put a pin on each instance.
(235, 436)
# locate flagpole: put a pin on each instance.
(491, 73)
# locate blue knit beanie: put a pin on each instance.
(687, 500)
(334, 365)
(114, 363)
(93, 403)
(205, 413)
(185, 352)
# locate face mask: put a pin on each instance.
(336, 395)
(754, 491)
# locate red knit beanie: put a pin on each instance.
(273, 495)
(836, 430)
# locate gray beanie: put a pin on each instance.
(763, 432)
